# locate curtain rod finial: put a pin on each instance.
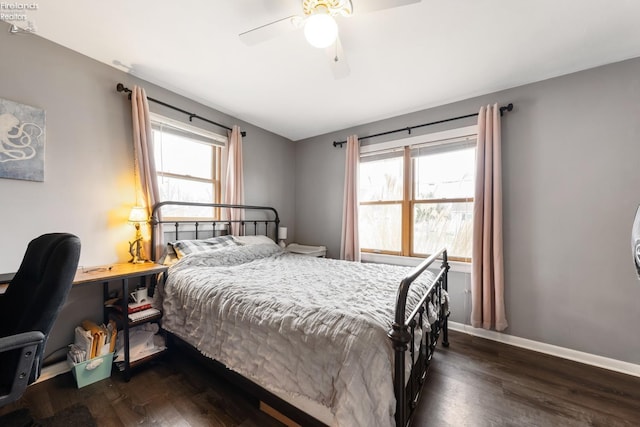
(509, 107)
(122, 88)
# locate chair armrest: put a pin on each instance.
(27, 344)
(24, 339)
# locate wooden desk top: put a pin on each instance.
(103, 273)
(6, 278)
(107, 273)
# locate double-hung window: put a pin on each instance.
(188, 164)
(416, 195)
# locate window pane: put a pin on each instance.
(381, 180)
(443, 225)
(184, 190)
(444, 175)
(380, 227)
(182, 156)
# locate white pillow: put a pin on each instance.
(169, 257)
(253, 240)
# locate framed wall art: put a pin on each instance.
(22, 139)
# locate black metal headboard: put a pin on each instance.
(247, 225)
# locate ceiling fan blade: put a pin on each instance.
(271, 30)
(364, 6)
(337, 60)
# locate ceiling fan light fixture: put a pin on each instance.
(321, 29)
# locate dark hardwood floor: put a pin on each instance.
(477, 382)
(172, 391)
(474, 382)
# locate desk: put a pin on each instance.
(5, 278)
(105, 274)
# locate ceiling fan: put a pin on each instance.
(320, 27)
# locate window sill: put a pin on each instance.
(460, 267)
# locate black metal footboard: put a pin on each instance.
(403, 336)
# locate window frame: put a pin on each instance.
(216, 141)
(408, 202)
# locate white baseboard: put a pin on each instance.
(553, 350)
(53, 370)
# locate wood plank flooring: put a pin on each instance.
(477, 382)
(172, 391)
(474, 382)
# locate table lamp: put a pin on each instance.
(137, 216)
(282, 236)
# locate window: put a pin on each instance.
(416, 195)
(188, 164)
(381, 202)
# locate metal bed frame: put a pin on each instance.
(402, 332)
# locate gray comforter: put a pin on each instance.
(306, 326)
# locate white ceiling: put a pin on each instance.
(402, 60)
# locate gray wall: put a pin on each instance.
(89, 183)
(571, 178)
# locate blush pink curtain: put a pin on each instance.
(147, 193)
(234, 182)
(350, 244)
(487, 272)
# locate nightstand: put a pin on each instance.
(315, 251)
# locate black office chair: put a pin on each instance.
(30, 306)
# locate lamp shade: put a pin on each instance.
(282, 233)
(321, 30)
(138, 214)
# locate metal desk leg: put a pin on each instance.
(125, 327)
(105, 297)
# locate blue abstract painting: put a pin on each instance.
(22, 140)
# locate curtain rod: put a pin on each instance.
(410, 128)
(121, 88)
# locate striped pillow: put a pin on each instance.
(186, 247)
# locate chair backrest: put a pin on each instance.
(40, 287)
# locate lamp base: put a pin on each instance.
(282, 244)
(136, 251)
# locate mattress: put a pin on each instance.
(306, 327)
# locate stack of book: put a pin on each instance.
(136, 310)
(93, 341)
(134, 307)
(141, 310)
